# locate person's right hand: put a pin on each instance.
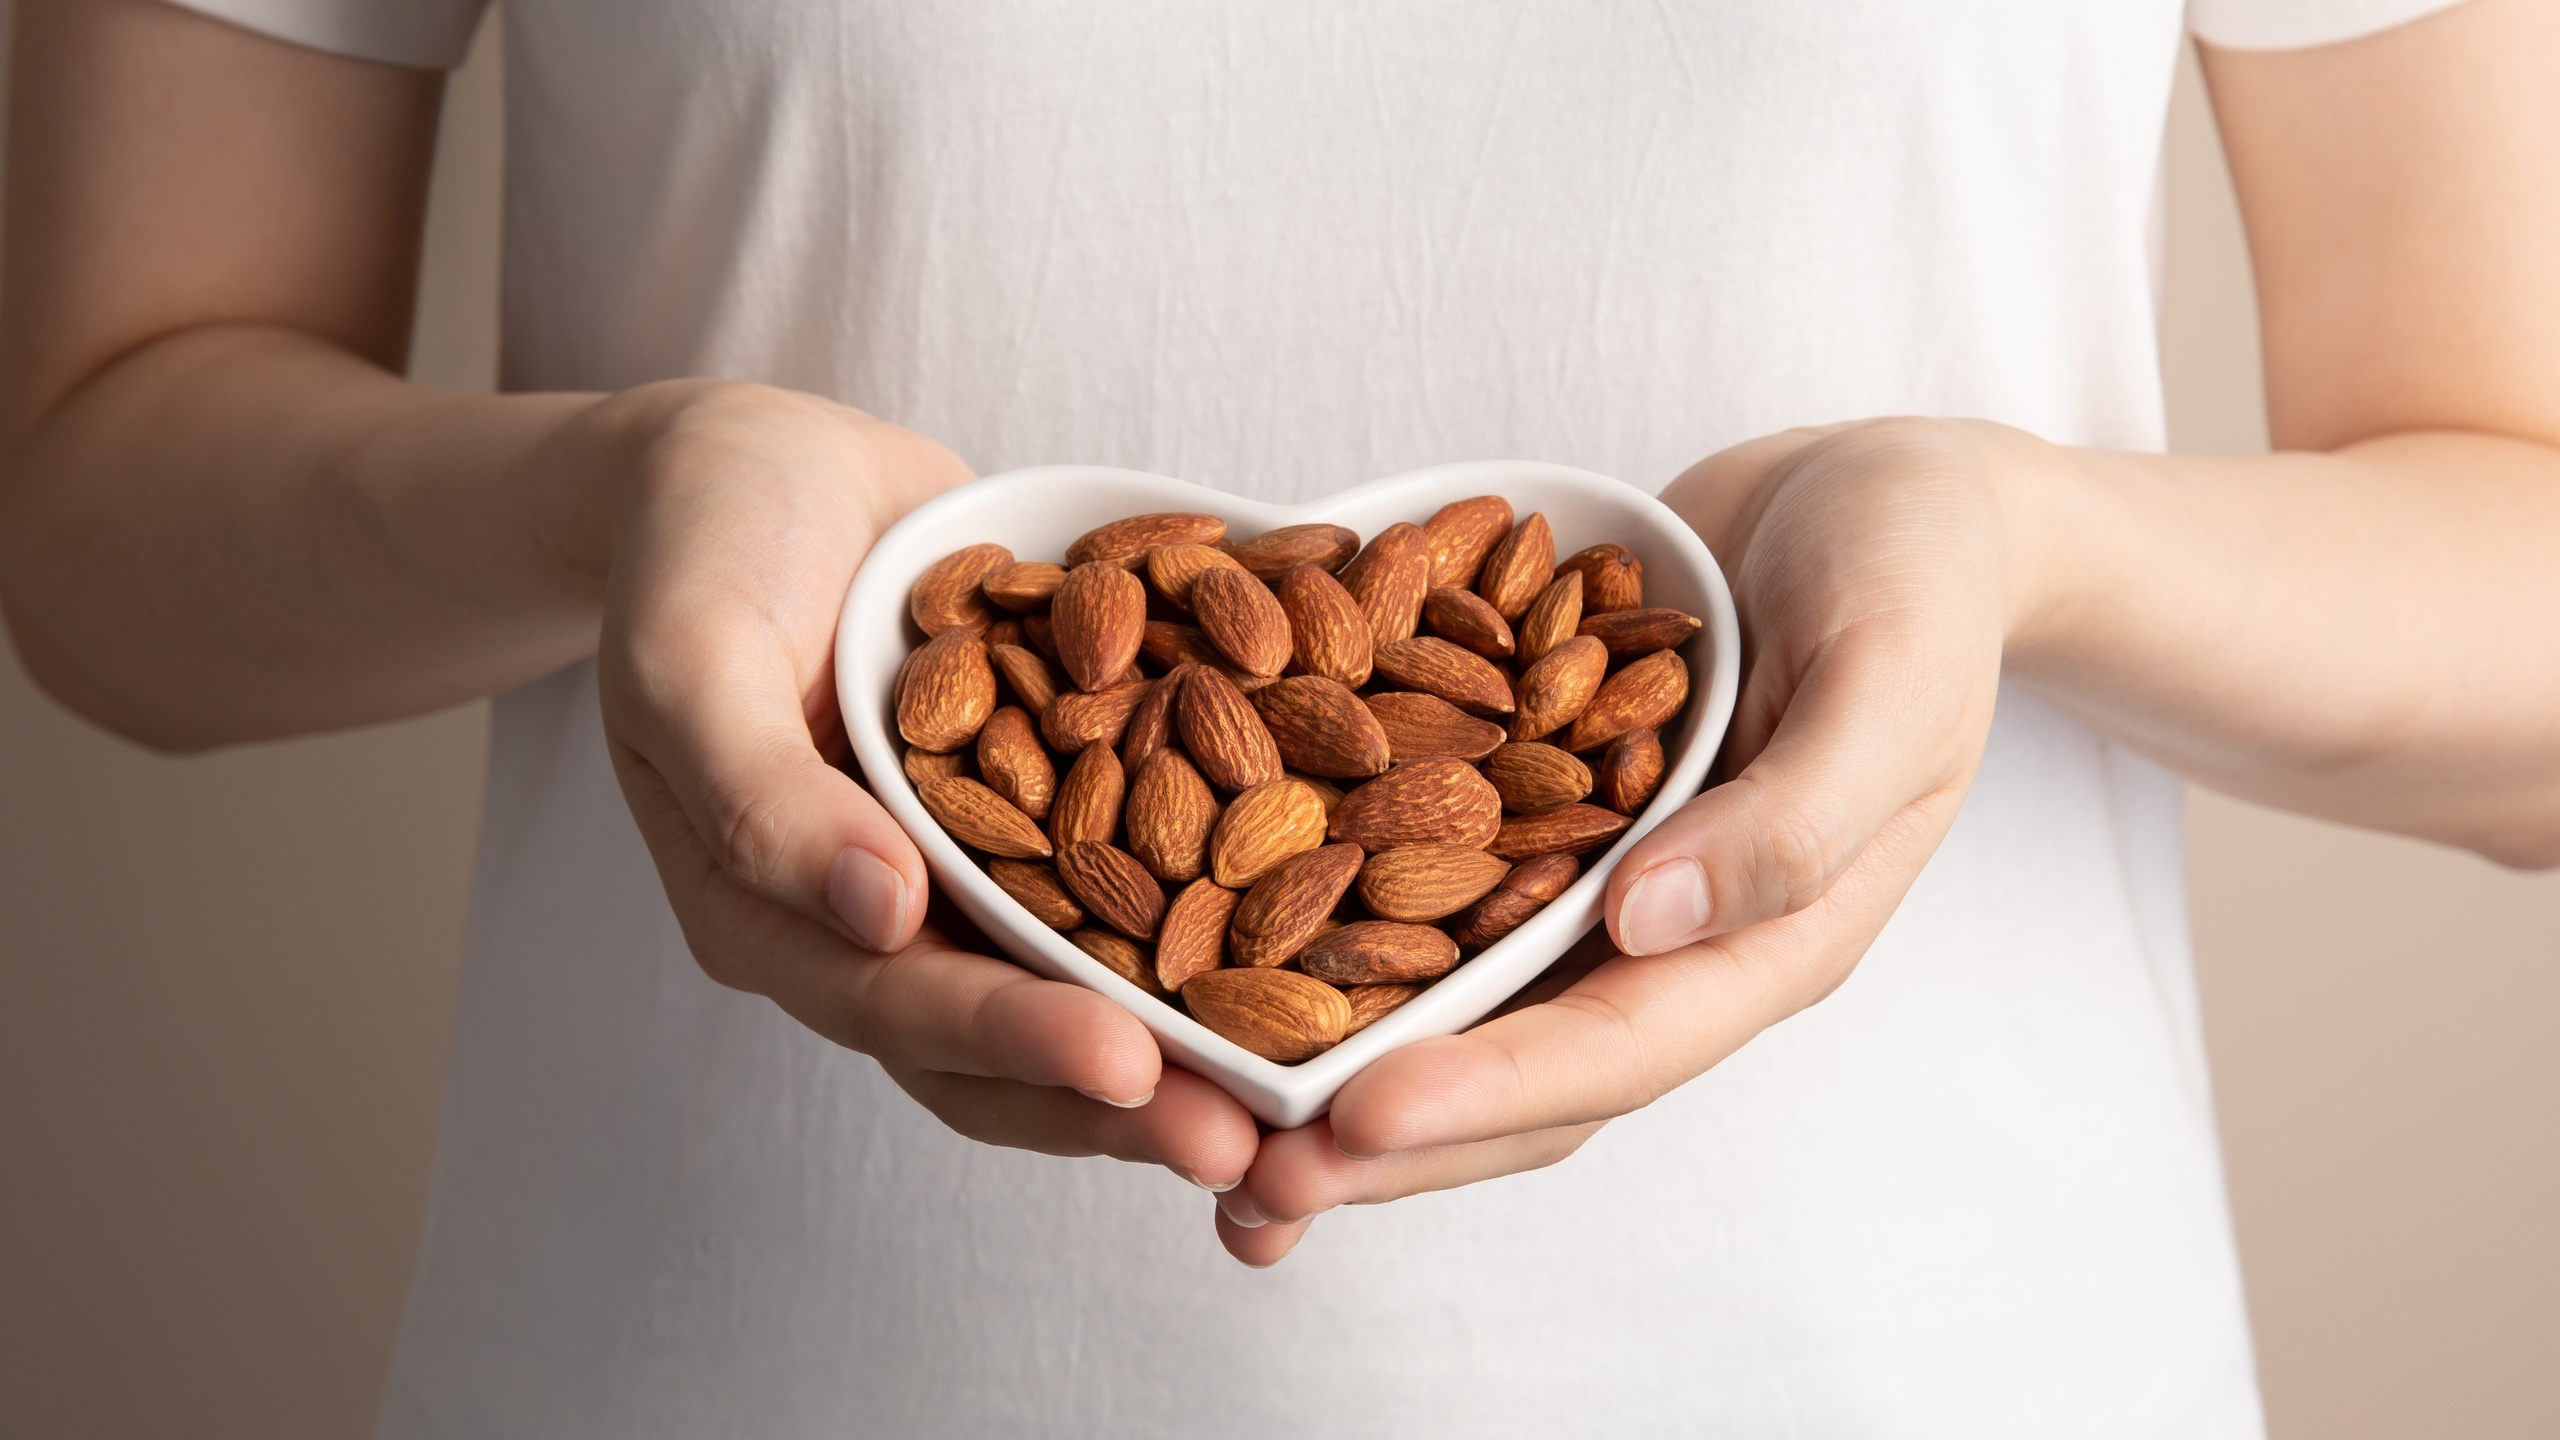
(736, 531)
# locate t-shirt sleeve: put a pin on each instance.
(421, 34)
(2293, 24)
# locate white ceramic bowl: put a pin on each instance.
(1037, 512)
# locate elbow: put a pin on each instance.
(2527, 839)
(54, 672)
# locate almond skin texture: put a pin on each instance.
(1266, 825)
(1172, 569)
(947, 593)
(1024, 586)
(1565, 830)
(1559, 687)
(1007, 631)
(1543, 878)
(1277, 1014)
(1630, 633)
(1243, 619)
(1420, 883)
(1170, 643)
(1328, 631)
(1097, 619)
(947, 692)
(1292, 905)
(1326, 790)
(1151, 723)
(923, 765)
(1169, 815)
(1075, 719)
(1462, 533)
(1225, 736)
(1126, 542)
(1435, 667)
(1037, 888)
(1524, 892)
(1193, 938)
(1275, 553)
(1380, 952)
(1089, 799)
(1041, 636)
(1122, 958)
(1519, 567)
(979, 817)
(1630, 771)
(1113, 886)
(1462, 618)
(1642, 696)
(1553, 617)
(1015, 764)
(1426, 727)
(1532, 776)
(1322, 728)
(1034, 681)
(1427, 802)
(1612, 578)
(1372, 1003)
(1390, 579)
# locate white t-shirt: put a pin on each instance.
(1284, 247)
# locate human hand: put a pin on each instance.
(741, 517)
(1879, 570)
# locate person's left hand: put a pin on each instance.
(1879, 570)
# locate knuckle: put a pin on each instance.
(1794, 859)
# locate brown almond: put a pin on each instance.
(1007, 631)
(1077, 719)
(1463, 618)
(1172, 644)
(1552, 617)
(1023, 586)
(1034, 681)
(1150, 725)
(1289, 906)
(1329, 632)
(1015, 764)
(1435, 667)
(1279, 1015)
(1519, 567)
(1125, 543)
(1172, 569)
(948, 691)
(1462, 533)
(1418, 883)
(979, 817)
(1169, 815)
(1543, 877)
(1612, 578)
(1193, 938)
(1041, 637)
(1559, 687)
(1038, 890)
(1113, 886)
(1643, 696)
(1226, 738)
(1120, 956)
(1275, 553)
(1089, 798)
(1565, 830)
(1326, 790)
(923, 765)
(1322, 728)
(1528, 889)
(1630, 633)
(1532, 776)
(1425, 802)
(1243, 619)
(947, 594)
(1097, 620)
(1379, 952)
(1266, 825)
(1372, 1003)
(1426, 727)
(1630, 771)
(1390, 578)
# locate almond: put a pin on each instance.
(1275, 553)
(1531, 776)
(1565, 830)
(1224, 735)
(1642, 696)
(1076, 719)
(1379, 952)
(1038, 890)
(1014, 763)
(1243, 619)
(1463, 618)
(1089, 798)
(1427, 882)
(1024, 586)
(1543, 878)
(1169, 814)
(1125, 543)
(1630, 771)
(1389, 579)
(1612, 578)
(1629, 633)
(1173, 568)
(1435, 667)
(1329, 632)
(1519, 567)
(1528, 889)
(978, 816)
(1372, 1003)
(1034, 681)
(1424, 802)
(1277, 1014)
(947, 593)
(1121, 957)
(1041, 636)
(1322, 728)
(1462, 533)
(1113, 886)
(1007, 631)
(1559, 687)
(1326, 790)
(1193, 938)
(1097, 620)
(923, 765)
(1426, 727)
(1172, 644)
(1151, 724)
(1289, 906)
(1552, 617)
(948, 691)
(1266, 825)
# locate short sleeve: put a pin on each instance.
(421, 34)
(2294, 24)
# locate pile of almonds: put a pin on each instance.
(1286, 782)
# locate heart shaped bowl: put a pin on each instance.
(1036, 512)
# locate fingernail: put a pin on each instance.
(870, 898)
(1665, 906)
(1240, 1211)
(1137, 1104)
(1203, 1184)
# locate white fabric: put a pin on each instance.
(1286, 247)
(421, 34)
(2294, 24)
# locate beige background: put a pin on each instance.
(225, 984)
